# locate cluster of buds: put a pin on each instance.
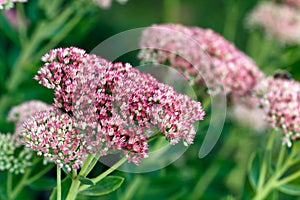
(7, 4)
(279, 98)
(279, 21)
(201, 55)
(111, 107)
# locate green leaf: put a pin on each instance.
(43, 184)
(254, 168)
(85, 181)
(290, 189)
(65, 185)
(105, 186)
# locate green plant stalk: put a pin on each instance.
(204, 182)
(263, 169)
(75, 181)
(274, 181)
(104, 174)
(58, 185)
(9, 182)
(20, 185)
(40, 174)
(26, 181)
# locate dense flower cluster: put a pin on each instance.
(107, 3)
(280, 21)
(53, 135)
(114, 105)
(293, 2)
(201, 53)
(19, 114)
(280, 100)
(13, 157)
(7, 4)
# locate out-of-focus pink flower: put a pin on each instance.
(105, 4)
(247, 113)
(201, 54)
(22, 112)
(280, 100)
(293, 2)
(7, 4)
(114, 104)
(279, 21)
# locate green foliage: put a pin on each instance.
(103, 187)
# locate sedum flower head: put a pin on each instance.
(7, 4)
(13, 157)
(201, 54)
(22, 112)
(114, 104)
(279, 21)
(53, 135)
(279, 98)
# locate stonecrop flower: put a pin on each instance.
(7, 4)
(114, 105)
(279, 21)
(13, 157)
(19, 114)
(280, 100)
(53, 135)
(200, 54)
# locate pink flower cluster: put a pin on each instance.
(280, 100)
(279, 21)
(293, 2)
(53, 135)
(19, 114)
(201, 54)
(7, 4)
(114, 105)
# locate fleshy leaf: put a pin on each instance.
(85, 181)
(105, 186)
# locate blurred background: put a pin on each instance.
(43, 25)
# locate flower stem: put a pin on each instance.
(20, 185)
(9, 182)
(38, 175)
(104, 174)
(75, 181)
(58, 179)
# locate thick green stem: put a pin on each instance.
(73, 191)
(58, 185)
(104, 174)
